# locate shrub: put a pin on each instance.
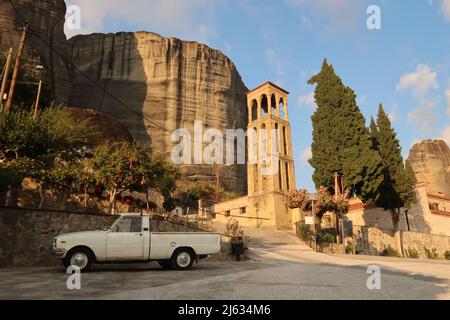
(233, 229)
(305, 232)
(390, 252)
(349, 248)
(431, 253)
(412, 253)
(327, 237)
(447, 255)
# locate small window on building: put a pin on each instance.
(227, 213)
(243, 210)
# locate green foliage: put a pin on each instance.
(161, 175)
(233, 229)
(118, 166)
(431, 253)
(412, 253)
(196, 192)
(41, 148)
(341, 142)
(169, 204)
(396, 191)
(349, 248)
(326, 237)
(447, 255)
(305, 232)
(5, 179)
(390, 252)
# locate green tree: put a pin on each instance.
(43, 149)
(119, 166)
(341, 141)
(197, 191)
(162, 176)
(397, 189)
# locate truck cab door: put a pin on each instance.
(126, 240)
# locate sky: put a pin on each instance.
(405, 65)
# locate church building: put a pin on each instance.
(270, 164)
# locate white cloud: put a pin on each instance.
(425, 116)
(306, 156)
(307, 100)
(445, 8)
(341, 14)
(422, 81)
(273, 60)
(305, 22)
(446, 135)
(447, 94)
(227, 47)
(187, 19)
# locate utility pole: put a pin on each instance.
(38, 96)
(217, 183)
(5, 76)
(16, 67)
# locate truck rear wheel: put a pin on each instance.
(79, 257)
(183, 259)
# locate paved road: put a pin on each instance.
(281, 267)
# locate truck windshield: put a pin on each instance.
(106, 226)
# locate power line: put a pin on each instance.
(69, 63)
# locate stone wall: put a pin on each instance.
(26, 236)
(419, 218)
(373, 241)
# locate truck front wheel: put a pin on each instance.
(183, 259)
(79, 257)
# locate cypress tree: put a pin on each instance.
(374, 133)
(341, 141)
(396, 191)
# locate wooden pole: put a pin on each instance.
(38, 97)
(16, 68)
(5, 76)
(217, 183)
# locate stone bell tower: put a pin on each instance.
(271, 172)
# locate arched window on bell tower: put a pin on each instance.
(264, 106)
(273, 105)
(254, 110)
(281, 106)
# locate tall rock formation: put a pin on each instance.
(155, 85)
(430, 160)
(45, 43)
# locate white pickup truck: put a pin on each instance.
(128, 238)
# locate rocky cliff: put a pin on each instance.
(45, 43)
(155, 85)
(430, 160)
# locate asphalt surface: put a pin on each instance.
(280, 267)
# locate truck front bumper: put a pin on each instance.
(60, 253)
